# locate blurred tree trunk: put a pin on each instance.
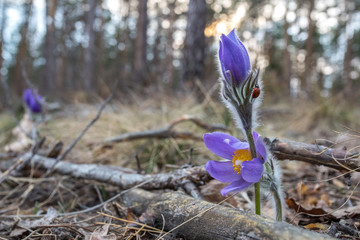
(50, 46)
(88, 75)
(194, 46)
(140, 69)
(169, 68)
(103, 87)
(348, 90)
(309, 46)
(349, 54)
(19, 82)
(61, 77)
(2, 26)
(66, 66)
(286, 60)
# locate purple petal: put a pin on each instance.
(241, 145)
(235, 187)
(260, 149)
(222, 144)
(32, 100)
(222, 171)
(251, 171)
(234, 57)
(232, 35)
(255, 135)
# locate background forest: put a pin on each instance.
(156, 60)
(305, 49)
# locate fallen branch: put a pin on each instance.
(124, 178)
(314, 154)
(191, 218)
(167, 131)
(282, 149)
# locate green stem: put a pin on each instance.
(257, 198)
(250, 139)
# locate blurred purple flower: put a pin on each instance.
(32, 100)
(242, 170)
(234, 59)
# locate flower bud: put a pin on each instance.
(234, 59)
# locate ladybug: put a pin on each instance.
(256, 91)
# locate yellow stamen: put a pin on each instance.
(239, 157)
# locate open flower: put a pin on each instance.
(234, 59)
(240, 169)
(33, 100)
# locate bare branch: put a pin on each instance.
(167, 132)
(124, 178)
(282, 149)
(314, 154)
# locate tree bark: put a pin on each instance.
(50, 47)
(90, 49)
(172, 210)
(194, 46)
(140, 70)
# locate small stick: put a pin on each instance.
(138, 165)
(71, 146)
(5, 175)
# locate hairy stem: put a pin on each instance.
(250, 139)
(278, 205)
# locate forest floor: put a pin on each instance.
(328, 199)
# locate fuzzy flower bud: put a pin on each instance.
(234, 59)
(32, 100)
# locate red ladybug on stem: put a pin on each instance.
(256, 92)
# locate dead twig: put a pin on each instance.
(90, 209)
(71, 146)
(9, 170)
(92, 122)
(167, 131)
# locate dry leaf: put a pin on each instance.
(317, 226)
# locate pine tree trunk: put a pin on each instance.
(22, 53)
(194, 46)
(309, 46)
(140, 70)
(49, 82)
(286, 64)
(2, 26)
(89, 51)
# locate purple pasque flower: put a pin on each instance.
(33, 100)
(239, 169)
(234, 59)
